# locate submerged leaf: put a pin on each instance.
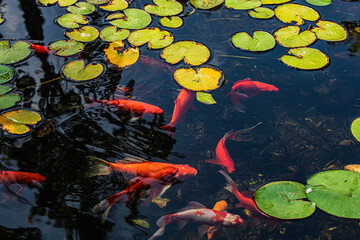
(206, 4)
(355, 128)
(6, 74)
(291, 12)
(116, 54)
(15, 122)
(76, 70)
(65, 48)
(132, 18)
(291, 37)
(155, 37)
(164, 8)
(72, 20)
(84, 34)
(329, 31)
(261, 41)
(173, 22)
(15, 53)
(205, 98)
(306, 58)
(111, 34)
(242, 4)
(142, 223)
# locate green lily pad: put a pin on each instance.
(77, 71)
(261, 13)
(283, 200)
(319, 2)
(205, 78)
(336, 192)
(16, 53)
(72, 20)
(306, 58)
(275, 1)
(173, 22)
(261, 41)
(355, 128)
(6, 74)
(111, 34)
(330, 31)
(155, 37)
(205, 4)
(115, 5)
(65, 48)
(205, 98)
(291, 12)
(242, 4)
(83, 8)
(84, 34)
(164, 8)
(9, 100)
(15, 122)
(291, 37)
(97, 2)
(4, 89)
(193, 53)
(132, 18)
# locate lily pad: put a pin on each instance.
(291, 12)
(306, 58)
(116, 54)
(275, 1)
(97, 2)
(65, 48)
(193, 53)
(15, 53)
(111, 34)
(242, 4)
(62, 3)
(283, 200)
(76, 70)
(155, 37)
(355, 128)
(115, 5)
(72, 20)
(205, 98)
(6, 74)
(132, 18)
(336, 192)
(1, 18)
(47, 2)
(319, 2)
(291, 37)
(164, 8)
(205, 4)
(330, 31)
(4, 89)
(15, 122)
(261, 13)
(9, 100)
(261, 41)
(173, 22)
(83, 8)
(84, 34)
(205, 78)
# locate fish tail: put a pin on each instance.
(237, 100)
(100, 167)
(230, 186)
(242, 135)
(170, 127)
(106, 204)
(161, 224)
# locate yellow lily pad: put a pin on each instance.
(355, 128)
(62, 3)
(261, 13)
(172, 22)
(111, 34)
(115, 5)
(306, 58)
(291, 12)
(155, 38)
(132, 18)
(330, 31)
(275, 1)
(352, 167)
(15, 122)
(116, 54)
(164, 8)
(291, 37)
(84, 34)
(242, 4)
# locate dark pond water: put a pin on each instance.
(305, 128)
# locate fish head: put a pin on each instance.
(185, 171)
(233, 220)
(229, 168)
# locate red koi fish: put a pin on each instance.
(222, 156)
(246, 88)
(198, 213)
(249, 203)
(40, 48)
(151, 62)
(183, 103)
(219, 206)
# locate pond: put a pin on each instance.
(305, 125)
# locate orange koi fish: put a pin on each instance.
(246, 88)
(40, 48)
(198, 213)
(219, 206)
(248, 203)
(222, 156)
(183, 103)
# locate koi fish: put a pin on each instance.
(246, 201)
(219, 206)
(248, 88)
(198, 213)
(151, 62)
(40, 48)
(222, 156)
(183, 103)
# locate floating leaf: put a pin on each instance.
(124, 58)
(261, 41)
(305, 58)
(72, 20)
(84, 34)
(206, 4)
(142, 223)
(205, 78)
(157, 38)
(47, 2)
(205, 98)
(65, 48)
(173, 22)
(283, 200)
(261, 13)
(9, 100)
(295, 12)
(242, 4)
(319, 2)
(16, 53)
(352, 167)
(83, 8)
(291, 37)
(115, 5)
(355, 128)
(111, 34)
(275, 1)
(77, 71)
(193, 53)
(6, 74)
(329, 31)
(336, 192)
(97, 2)
(132, 18)
(4, 89)
(15, 122)
(164, 8)
(65, 3)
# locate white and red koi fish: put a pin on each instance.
(246, 201)
(219, 206)
(222, 156)
(198, 213)
(246, 88)
(183, 103)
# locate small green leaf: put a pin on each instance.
(242, 4)
(261, 13)
(4, 89)
(84, 34)
(65, 48)
(355, 128)
(9, 100)
(111, 34)
(115, 5)
(6, 74)
(72, 20)
(291, 12)
(83, 8)
(319, 2)
(291, 37)
(206, 4)
(261, 41)
(132, 18)
(173, 22)
(16, 53)
(164, 8)
(155, 37)
(306, 58)
(14, 122)
(205, 98)
(329, 31)
(77, 71)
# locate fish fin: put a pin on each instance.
(161, 224)
(202, 229)
(213, 161)
(100, 167)
(133, 119)
(213, 229)
(133, 180)
(5, 195)
(133, 159)
(271, 224)
(192, 205)
(168, 128)
(230, 186)
(158, 233)
(237, 100)
(181, 224)
(193, 107)
(242, 135)
(106, 204)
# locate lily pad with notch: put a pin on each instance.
(355, 129)
(65, 48)
(164, 8)
(155, 37)
(83, 8)
(115, 5)
(123, 58)
(84, 34)
(6, 74)
(18, 121)
(12, 54)
(261, 41)
(132, 18)
(72, 20)
(329, 31)
(291, 37)
(292, 12)
(261, 13)
(242, 4)
(77, 71)
(111, 34)
(306, 58)
(206, 4)
(172, 22)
